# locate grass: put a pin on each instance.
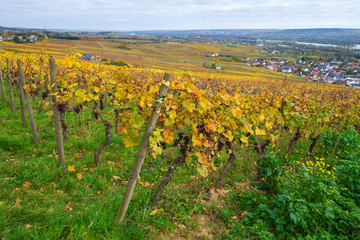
(38, 202)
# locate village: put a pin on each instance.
(331, 71)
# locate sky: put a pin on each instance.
(127, 15)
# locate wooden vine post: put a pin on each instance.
(28, 103)
(142, 150)
(280, 126)
(10, 86)
(21, 95)
(57, 122)
(2, 87)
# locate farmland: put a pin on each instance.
(237, 152)
(164, 56)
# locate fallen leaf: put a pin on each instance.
(68, 207)
(28, 226)
(158, 210)
(116, 178)
(202, 170)
(182, 226)
(26, 184)
(71, 168)
(79, 176)
(42, 226)
(146, 184)
(242, 214)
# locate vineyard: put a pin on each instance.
(218, 155)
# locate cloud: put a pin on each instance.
(179, 14)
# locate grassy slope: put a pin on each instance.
(36, 201)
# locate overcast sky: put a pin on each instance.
(179, 14)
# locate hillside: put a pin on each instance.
(240, 153)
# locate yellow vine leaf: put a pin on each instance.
(244, 139)
(168, 136)
(96, 89)
(261, 117)
(122, 128)
(190, 106)
(130, 140)
(259, 132)
(236, 112)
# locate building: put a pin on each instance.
(88, 57)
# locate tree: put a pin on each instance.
(5, 35)
(17, 39)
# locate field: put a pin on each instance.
(164, 56)
(240, 153)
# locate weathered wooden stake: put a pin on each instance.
(28, 103)
(142, 150)
(57, 122)
(279, 126)
(2, 87)
(21, 94)
(10, 86)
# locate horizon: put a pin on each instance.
(179, 30)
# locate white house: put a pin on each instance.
(287, 70)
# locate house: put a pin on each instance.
(315, 74)
(32, 38)
(286, 70)
(273, 68)
(1, 39)
(336, 62)
(212, 54)
(244, 58)
(88, 57)
(352, 80)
